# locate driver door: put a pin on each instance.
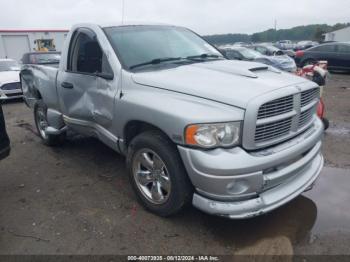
(86, 92)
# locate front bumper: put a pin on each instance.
(239, 184)
(11, 94)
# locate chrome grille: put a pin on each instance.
(272, 130)
(11, 86)
(309, 95)
(305, 117)
(276, 107)
(284, 117)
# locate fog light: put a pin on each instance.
(237, 187)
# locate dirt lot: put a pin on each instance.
(76, 199)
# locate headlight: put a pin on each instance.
(213, 135)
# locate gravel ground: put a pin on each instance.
(76, 199)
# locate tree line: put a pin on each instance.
(307, 32)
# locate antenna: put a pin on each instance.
(123, 11)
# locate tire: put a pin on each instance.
(40, 116)
(178, 194)
(325, 123)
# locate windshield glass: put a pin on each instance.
(44, 58)
(9, 66)
(249, 53)
(141, 44)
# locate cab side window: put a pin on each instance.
(85, 54)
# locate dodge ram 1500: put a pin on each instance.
(237, 139)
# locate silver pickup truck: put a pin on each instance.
(237, 139)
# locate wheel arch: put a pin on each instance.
(136, 127)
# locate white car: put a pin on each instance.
(10, 87)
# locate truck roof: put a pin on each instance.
(128, 23)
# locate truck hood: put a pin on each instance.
(9, 77)
(226, 81)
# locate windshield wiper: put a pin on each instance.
(156, 61)
(203, 56)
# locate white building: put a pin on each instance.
(342, 35)
(14, 43)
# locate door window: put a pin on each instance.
(324, 48)
(343, 49)
(86, 54)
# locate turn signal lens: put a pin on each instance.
(190, 134)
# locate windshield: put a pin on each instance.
(136, 45)
(9, 66)
(250, 54)
(44, 58)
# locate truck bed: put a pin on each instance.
(39, 81)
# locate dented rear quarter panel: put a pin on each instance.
(39, 81)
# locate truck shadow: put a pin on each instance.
(272, 233)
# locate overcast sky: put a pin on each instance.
(203, 16)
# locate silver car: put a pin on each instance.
(282, 62)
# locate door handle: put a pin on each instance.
(67, 85)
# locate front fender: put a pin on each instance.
(170, 111)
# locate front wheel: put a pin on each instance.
(41, 123)
(157, 174)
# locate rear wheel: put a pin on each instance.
(41, 123)
(157, 174)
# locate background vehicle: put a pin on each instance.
(193, 125)
(282, 62)
(240, 44)
(45, 45)
(4, 139)
(41, 58)
(336, 54)
(285, 44)
(10, 87)
(305, 45)
(270, 50)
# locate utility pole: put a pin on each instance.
(275, 30)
